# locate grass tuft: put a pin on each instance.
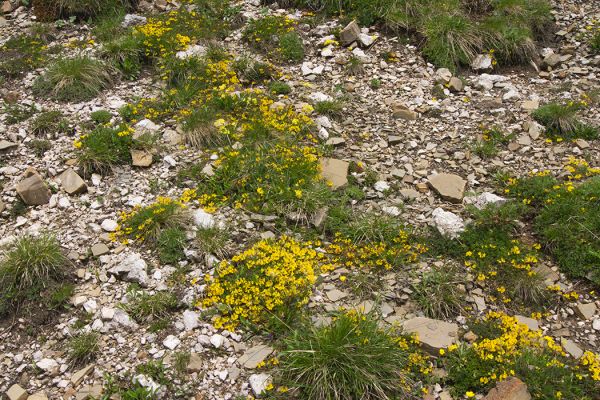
(76, 79)
(83, 348)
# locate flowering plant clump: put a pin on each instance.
(263, 176)
(144, 224)
(270, 280)
(374, 256)
(507, 348)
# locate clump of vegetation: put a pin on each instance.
(101, 117)
(254, 72)
(21, 54)
(506, 348)
(15, 112)
(352, 358)
(51, 10)
(144, 307)
(147, 224)
(213, 240)
(355, 65)
(49, 123)
(561, 121)
(80, 78)
(274, 280)
(332, 108)
(439, 294)
(171, 242)
(564, 215)
(30, 265)
(275, 36)
(83, 348)
(40, 147)
(199, 129)
(126, 54)
(103, 148)
(595, 41)
(491, 139)
(279, 88)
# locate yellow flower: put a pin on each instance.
(469, 394)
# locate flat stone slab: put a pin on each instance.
(335, 171)
(449, 186)
(254, 356)
(433, 334)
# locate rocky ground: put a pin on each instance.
(417, 141)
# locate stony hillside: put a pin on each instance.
(303, 199)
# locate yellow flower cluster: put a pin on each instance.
(378, 256)
(268, 280)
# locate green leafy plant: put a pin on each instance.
(438, 293)
(145, 307)
(21, 54)
(276, 36)
(49, 123)
(103, 148)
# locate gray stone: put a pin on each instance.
(191, 320)
(551, 60)
(89, 392)
(32, 189)
(585, 311)
(449, 186)
(254, 356)
(443, 76)
(350, 33)
(195, 363)
(335, 171)
(571, 348)
(133, 20)
(16, 392)
(72, 182)
(259, 383)
(335, 295)
(433, 334)
(5, 145)
(482, 62)
(531, 323)
(484, 199)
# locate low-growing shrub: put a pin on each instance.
(15, 113)
(264, 285)
(352, 358)
(213, 240)
(21, 54)
(101, 117)
(279, 88)
(51, 10)
(40, 146)
(332, 108)
(80, 78)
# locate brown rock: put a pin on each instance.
(335, 171)
(141, 158)
(455, 85)
(350, 33)
(400, 111)
(72, 183)
(16, 392)
(449, 186)
(509, 389)
(32, 189)
(7, 7)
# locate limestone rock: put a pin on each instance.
(195, 363)
(32, 189)
(484, 199)
(509, 389)
(571, 348)
(482, 62)
(448, 223)
(16, 392)
(80, 375)
(254, 356)
(585, 311)
(433, 334)
(350, 33)
(99, 249)
(335, 171)
(456, 85)
(5, 145)
(449, 186)
(531, 323)
(72, 182)
(259, 383)
(141, 158)
(400, 111)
